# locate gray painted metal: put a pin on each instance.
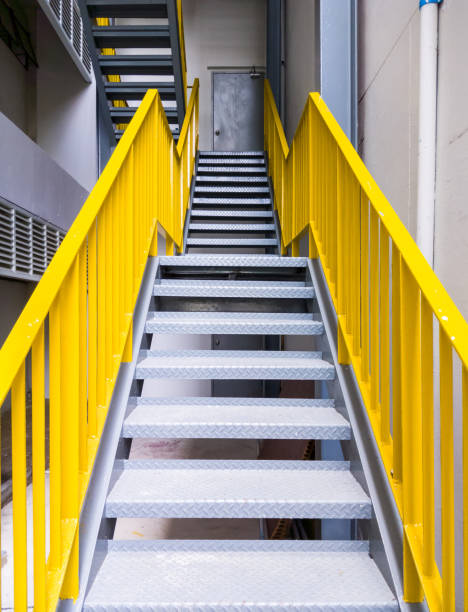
(234, 261)
(232, 227)
(258, 576)
(176, 57)
(224, 189)
(246, 169)
(237, 111)
(123, 8)
(231, 242)
(231, 365)
(233, 289)
(235, 418)
(232, 323)
(132, 36)
(259, 153)
(236, 489)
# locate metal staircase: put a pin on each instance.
(153, 27)
(232, 204)
(237, 295)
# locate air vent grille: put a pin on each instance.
(27, 243)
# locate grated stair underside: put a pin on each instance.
(242, 298)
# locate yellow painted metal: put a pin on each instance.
(387, 300)
(87, 295)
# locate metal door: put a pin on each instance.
(237, 112)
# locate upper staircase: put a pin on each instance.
(154, 26)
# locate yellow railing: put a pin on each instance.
(77, 330)
(388, 302)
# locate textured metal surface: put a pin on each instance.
(230, 365)
(281, 419)
(260, 154)
(245, 169)
(245, 261)
(231, 242)
(236, 489)
(232, 227)
(231, 213)
(235, 161)
(226, 576)
(233, 289)
(232, 323)
(231, 179)
(219, 189)
(233, 201)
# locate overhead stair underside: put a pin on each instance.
(240, 296)
(144, 38)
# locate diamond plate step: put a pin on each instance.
(238, 575)
(245, 169)
(236, 418)
(243, 190)
(233, 289)
(230, 179)
(230, 365)
(231, 242)
(232, 154)
(232, 323)
(232, 227)
(207, 161)
(234, 261)
(248, 214)
(180, 488)
(232, 201)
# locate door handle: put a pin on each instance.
(217, 132)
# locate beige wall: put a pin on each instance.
(301, 71)
(388, 123)
(221, 33)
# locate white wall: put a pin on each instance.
(301, 61)
(66, 108)
(223, 34)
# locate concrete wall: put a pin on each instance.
(32, 180)
(222, 34)
(66, 108)
(301, 59)
(14, 89)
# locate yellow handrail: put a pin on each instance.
(387, 301)
(85, 303)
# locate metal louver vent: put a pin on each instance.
(27, 243)
(65, 16)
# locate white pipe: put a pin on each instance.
(429, 22)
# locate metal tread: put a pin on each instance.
(217, 189)
(253, 261)
(230, 179)
(136, 91)
(227, 575)
(232, 323)
(235, 418)
(132, 36)
(200, 212)
(232, 201)
(123, 8)
(231, 365)
(182, 488)
(233, 289)
(136, 64)
(244, 169)
(231, 160)
(232, 154)
(231, 227)
(231, 242)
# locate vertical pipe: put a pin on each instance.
(429, 26)
(384, 336)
